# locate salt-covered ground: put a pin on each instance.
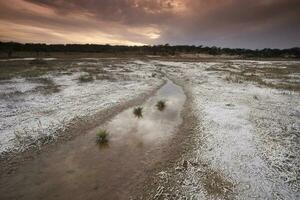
(246, 141)
(35, 105)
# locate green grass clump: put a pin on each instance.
(102, 136)
(138, 112)
(161, 105)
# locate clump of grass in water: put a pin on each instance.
(102, 136)
(138, 112)
(161, 105)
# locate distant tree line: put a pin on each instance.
(11, 47)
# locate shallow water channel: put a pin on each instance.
(83, 169)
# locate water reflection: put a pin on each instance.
(103, 145)
(149, 124)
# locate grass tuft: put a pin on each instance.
(85, 78)
(138, 112)
(161, 105)
(102, 136)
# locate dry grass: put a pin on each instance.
(85, 78)
(217, 186)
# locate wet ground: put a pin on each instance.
(41, 98)
(83, 169)
(237, 136)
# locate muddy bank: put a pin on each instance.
(79, 169)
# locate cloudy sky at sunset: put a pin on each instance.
(225, 23)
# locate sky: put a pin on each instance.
(223, 23)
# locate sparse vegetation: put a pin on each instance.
(25, 141)
(105, 77)
(85, 78)
(49, 87)
(217, 186)
(102, 136)
(10, 70)
(138, 112)
(262, 75)
(161, 105)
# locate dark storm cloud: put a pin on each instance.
(235, 23)
(125, 11)
(232, 23)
